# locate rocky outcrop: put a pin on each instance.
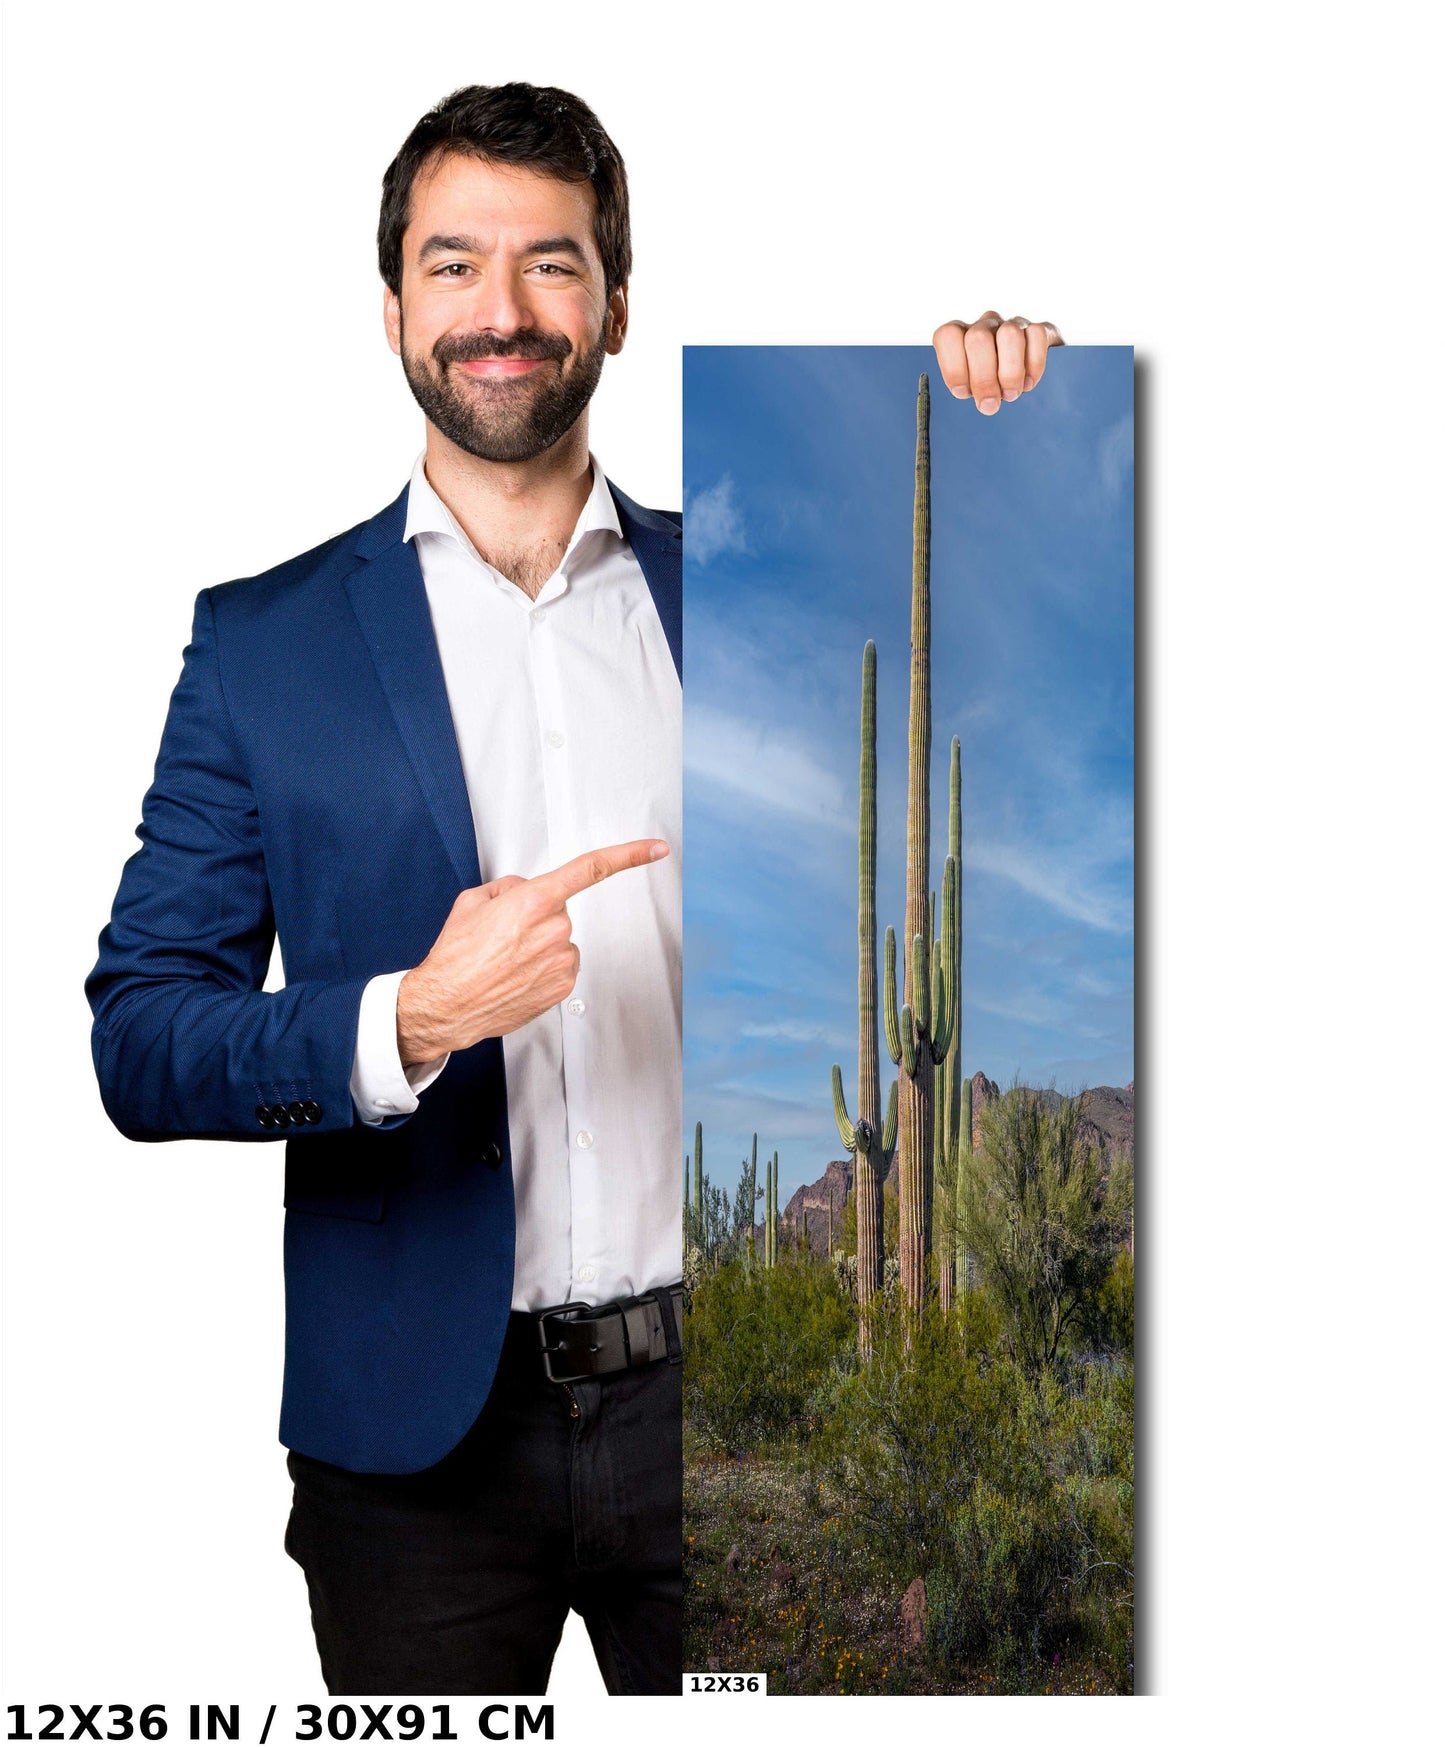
(810, 1204)
(1108, 1123)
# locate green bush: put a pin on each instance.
(1112, 1323)
(906, 1428)
(761, 1353)
(1012, 1493)
(1044, 1214)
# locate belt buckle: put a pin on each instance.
(547, 1351)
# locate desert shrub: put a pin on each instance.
(1012, 1492)
(761, 1350)
(1111, 1316)
(1039, 1550)
(976, 1317)
(1000, 1594)
(905, 1429)
(1044, 1216)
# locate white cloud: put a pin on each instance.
(799, 1031)
(768, 767)
(1064, 891)
(1036, 1010)
(1116, 456)
(713, 523)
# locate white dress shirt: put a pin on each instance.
(568, 716)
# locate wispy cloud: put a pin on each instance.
(1116, 456)
(1062, 889)
(714, 522)
(765, 765)
(1036, 1011)
(799, 1031)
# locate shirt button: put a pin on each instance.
(584, 1137)
(555, 739)
(385, 1104)
(587, 1272)
(577, 1005)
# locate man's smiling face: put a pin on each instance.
(503, 320)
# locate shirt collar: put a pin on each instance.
(427, 514)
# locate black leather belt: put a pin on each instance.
(591, 1340)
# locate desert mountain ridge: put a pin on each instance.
(1108, 1121)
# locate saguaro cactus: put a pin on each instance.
(919, 1035)
(698, 1214)
(950, 1100)
(870, 1144)
(961, 1167)
(768, 1213)
(752, 1197)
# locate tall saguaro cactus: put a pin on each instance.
(919, 1035)
(964, 1154)
(948, 1126)
(752, 1190)
(870, 1143)
(768, 1205)
(698, 1211)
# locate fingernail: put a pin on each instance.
(658, 851)
(988, 406)
(1028, 383)
(961, 394)
(1010, 394)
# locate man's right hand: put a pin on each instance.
(504, 955)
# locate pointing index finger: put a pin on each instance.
(599, 864)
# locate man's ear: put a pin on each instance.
(617, 318)
(391, 315)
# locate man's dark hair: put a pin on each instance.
(537, 126)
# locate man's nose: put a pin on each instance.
(499, 304)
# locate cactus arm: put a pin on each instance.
(920, 985)
(941, 1016)
(890, 997)
(907, 1039)
(945, 967)
(846, 1131)
(890, 1125)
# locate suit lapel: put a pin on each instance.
(388, 597)
(657, 545)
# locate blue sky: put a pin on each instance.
(798, 468)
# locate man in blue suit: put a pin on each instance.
(399, 754)
(417, 756)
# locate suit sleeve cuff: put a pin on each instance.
(380, 1086)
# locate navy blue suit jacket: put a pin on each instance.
(309, 789)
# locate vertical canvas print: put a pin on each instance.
(909, 1025)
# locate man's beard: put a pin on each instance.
(505, 419)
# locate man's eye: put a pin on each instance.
(551, 267)
(452, 270)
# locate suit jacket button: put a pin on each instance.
(310, 1110)
(281, 1116)
(492, 1154)
(264, 1116)
(297, 1112)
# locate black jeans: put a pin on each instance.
(458, 1580)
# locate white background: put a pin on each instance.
(198, 387)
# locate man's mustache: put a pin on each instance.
(473, 348)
